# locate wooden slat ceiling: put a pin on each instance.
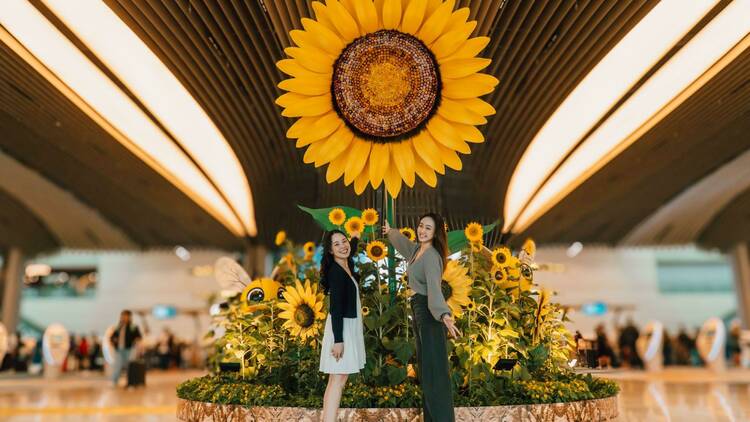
(43, 130)
(705, 132)
(224, 53)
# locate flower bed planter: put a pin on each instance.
(586, 410)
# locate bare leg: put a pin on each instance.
(332, 397)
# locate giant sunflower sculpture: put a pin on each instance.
(302, 308)
(456, 286)
(386, 90)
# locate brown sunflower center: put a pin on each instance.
(304, 316)
(499, 275)
(376, 251)
(447, 290)
(386, 85)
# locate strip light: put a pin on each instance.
(598, 92)
(39, 43)
(702, 58)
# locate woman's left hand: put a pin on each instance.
(453, 331)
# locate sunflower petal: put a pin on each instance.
(322, 127)
(454, 111)
(413, 16)
(343, 20)
(391, 14)
(300, 127)
(366, 15)
(458, 19)
(402, 156)
(380, 155)
(468, 49)
(478, 106)
(459, 68)
(426, 149)
(311, 106)
(311, 58)
(336, 144)
(425, 172)
(469, 133)
(444, 133)
(293, 68)
(312, 153)
(306, 86)
(290, 98)
(449, 42)
(358, 157)
(360, 183)
(471, 86)
(336, 168)
(450, 158)
(322, 37)
(321, 15)
(393, 181)
(435, 24)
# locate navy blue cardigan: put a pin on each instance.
(343, 296)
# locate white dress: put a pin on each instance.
(353, 359)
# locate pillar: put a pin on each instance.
(12, 284)
(741, 267)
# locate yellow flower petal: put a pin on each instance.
(443, 132)
(336, 144)
(478, 106)
(469, 133)
(471, 86)
(312, 59)
(349, 6)
(413, 16)
(435, 24)
(454, 111)
(312, 153)
(302, 38)
(393, 181)
(306, 86)
(402, 156)
(458, 19)
(321, 15)
(366, 15)
(360, 183)
(391, 14)
(324, 126)
(322, 37)
(425, 172)
(311, 106)
(459, 68)
(293, 68)
(449, 42)
(380, 155)
(468, 49)
(450, 158)
(426, 149)
(336, 168)
(290, 98)
(343, 21)
(358, 157)
(300, 127)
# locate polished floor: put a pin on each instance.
(672, 395)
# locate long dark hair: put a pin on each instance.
(328, 259)
(439, 239)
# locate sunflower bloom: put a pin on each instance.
(370, 216)
(456, 286)
(354, 225)
(337, 216)
(408, 233)
(302, 308)
(500, 256)
(386, 91)
(280, 238)
(474, 232)
(309, 248)
(376, 250)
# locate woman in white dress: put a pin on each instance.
(343, 347)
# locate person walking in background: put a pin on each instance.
(124, 339)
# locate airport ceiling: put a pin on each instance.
(224, 53)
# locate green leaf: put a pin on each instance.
(396, 375)
(457, 238)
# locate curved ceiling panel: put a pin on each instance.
(731, 226)
(75, 224)
(20, 228)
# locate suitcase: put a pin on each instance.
(136, 373)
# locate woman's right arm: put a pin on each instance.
(337, 306)
(403, 245)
